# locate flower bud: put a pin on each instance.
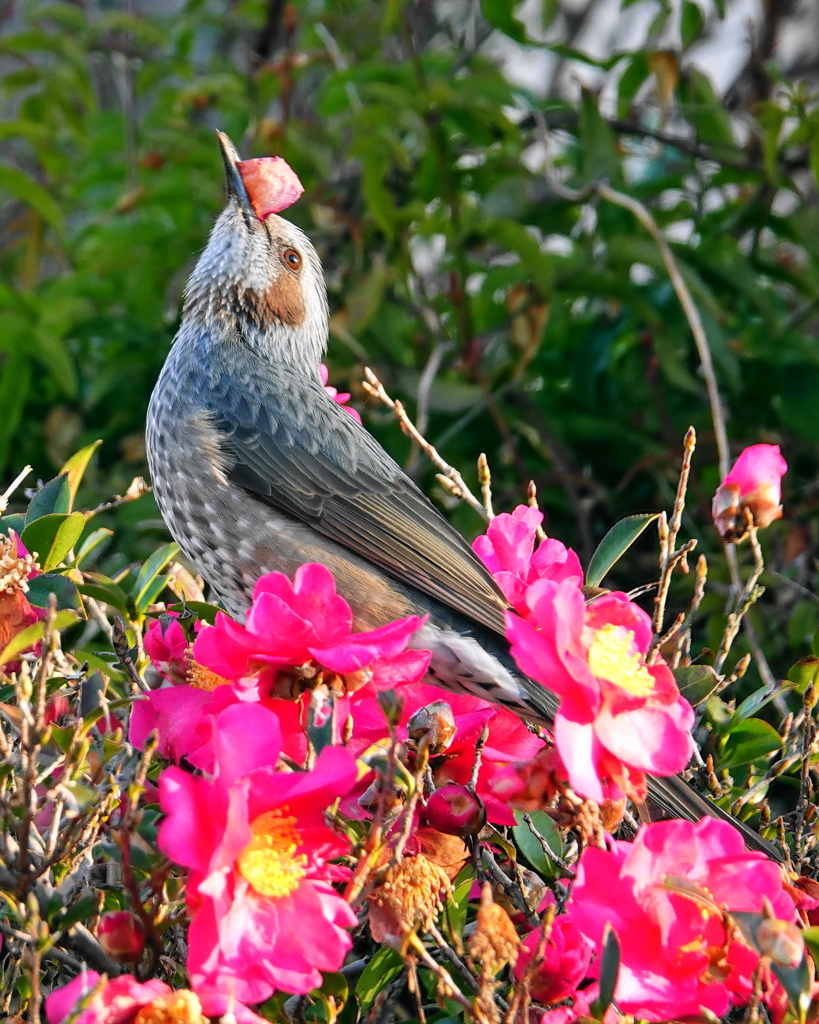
(753, 486)
(781, 941)
(121, 935)
(435, 721)
(456, 810)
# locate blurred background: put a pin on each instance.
(437, 141)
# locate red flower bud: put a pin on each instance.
(121, 935)
(456, 810)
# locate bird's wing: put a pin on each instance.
(288, 444)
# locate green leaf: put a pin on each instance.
(384, 968)
(16, 521)
(76, 466)
(147, 578)
(32, 634)
(748, 741)
(52, 537)
(529, 844)
(500, 15)
(599, 158)
(615, 544)
(24, 188)
(55, 496)
(108, 593)
(804, 672)
(691, 23)
(609, 971)
(696, 682)
(65, 590)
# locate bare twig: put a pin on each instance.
(459, 487)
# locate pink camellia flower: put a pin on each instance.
(264, 915)
(618, 718)
(167, 646)
(566, 961)
(753, 485)
(508, 737)
(306, 621)
(124, 1000)
(533, 784)
(507, 549)
(272, 185)
(340, 398)
(664, 896)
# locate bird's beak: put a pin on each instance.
(234, 185)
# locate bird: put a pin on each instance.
(256, 469)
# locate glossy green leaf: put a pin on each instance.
(55, 496)
(609, 972)
(41, 587)
(76, 466)
(748, 741)
(384, 968)
(529, 844)
(615, 544)
(53, 536)
(147, 579)
(15, 521)
(696, 682)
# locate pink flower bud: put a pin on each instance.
(754, 484)
(435, 721)
(121, 935)
(456, 810)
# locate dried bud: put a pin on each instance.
(435, 721)
(456, 810)
(412, 895)
(121, 935)
(494, 942)
(782, 941)
(753, 486)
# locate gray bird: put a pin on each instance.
(255, 468)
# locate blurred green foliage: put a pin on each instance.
(510, 319)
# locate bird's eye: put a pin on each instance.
(292, 259)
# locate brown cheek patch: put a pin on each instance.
(282, 303)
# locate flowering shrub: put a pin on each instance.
(299, 818)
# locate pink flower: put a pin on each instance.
(340, 398)
(530, 785)
(272, 185)
(618, 718)
(507, 549)
(508, 738)
(124, 1000)
(167, 646)
(566, 961)
(663, 895)
(290, 624)
(264, 915)
(754, 484)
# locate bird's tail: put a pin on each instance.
(480, 664)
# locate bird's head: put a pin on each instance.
(259, 281)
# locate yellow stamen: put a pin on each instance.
(612, 657)
(269, 861)
(202, 678)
